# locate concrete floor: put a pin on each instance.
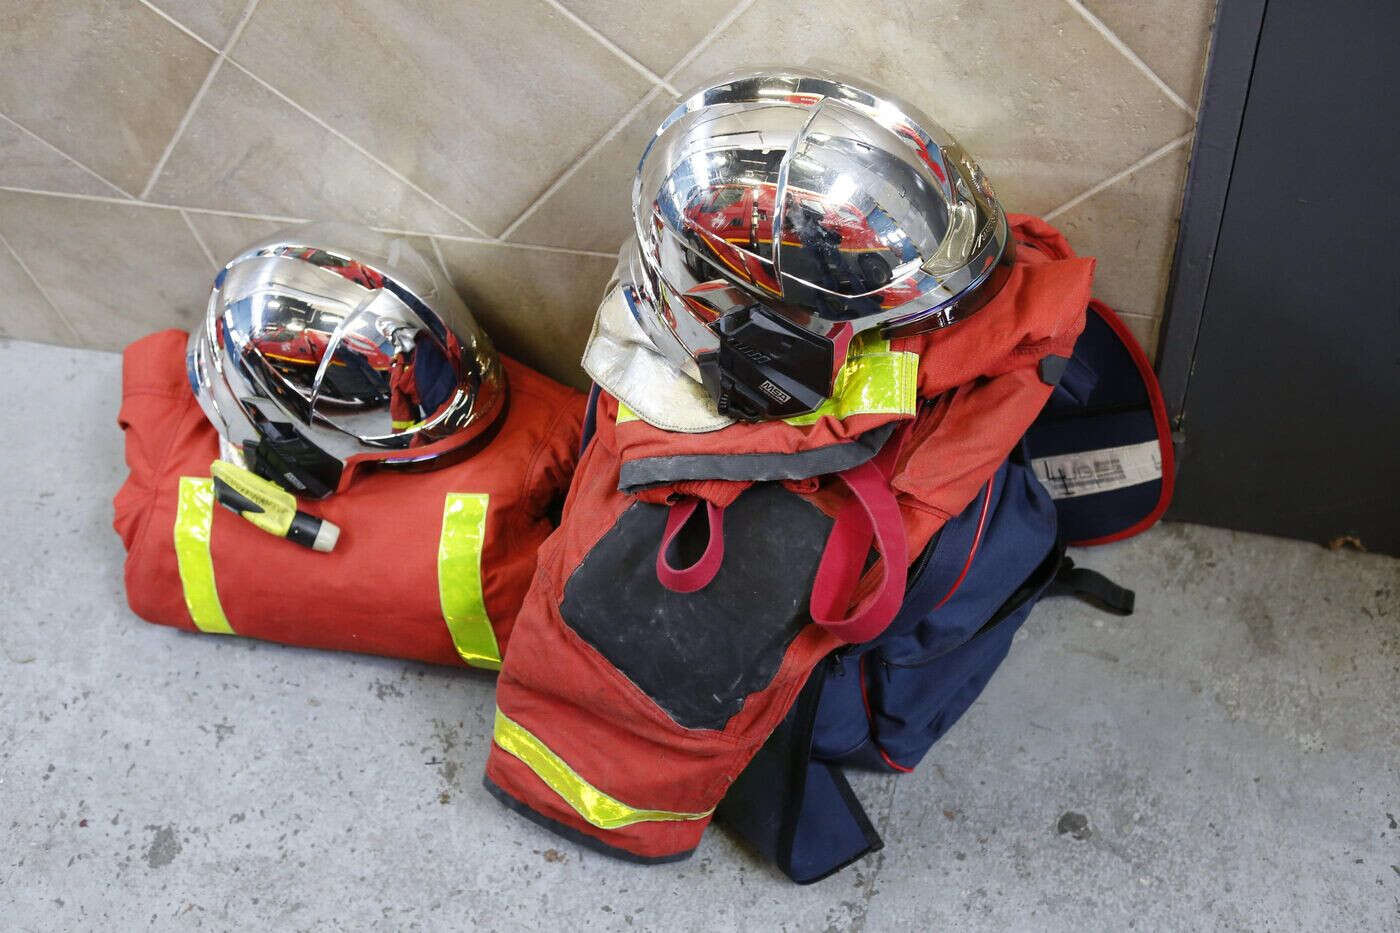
(1232, 747)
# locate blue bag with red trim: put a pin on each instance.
(1095, 467)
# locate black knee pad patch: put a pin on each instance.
(698, 655)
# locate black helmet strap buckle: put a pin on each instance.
(293, 462)
(767, 367)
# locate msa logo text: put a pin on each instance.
(773, 392)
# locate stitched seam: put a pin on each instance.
(538, 452)
(138, 542)
(178, 395)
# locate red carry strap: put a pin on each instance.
(872, 515)
(699, 574)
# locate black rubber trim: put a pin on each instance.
(1229, 73)
(304, 529)
(573, 835)
(651, 471)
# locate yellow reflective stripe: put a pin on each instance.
(194, 519)
(875, 380)
(459, 579)
(592, 804)
(402, 425)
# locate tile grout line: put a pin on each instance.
(725, 22)
(397, 175)
(283, 219)
(219, 60)
(1113, 179)
(611, 134)
(611, 46)
(43, 293)
(199, 239)
(311, 116)
(49, 145)
(218, 212)
(442, 263)
(1130, 55)
(157, 205)
(577, 163)
(178, 25)
(537, 247)
(662, 82)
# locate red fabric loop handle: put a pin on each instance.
(699, 574)
(871, 515)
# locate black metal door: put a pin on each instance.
(1281, 358)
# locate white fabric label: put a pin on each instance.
(1087, 472)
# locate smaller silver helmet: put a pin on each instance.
(779, 213)
(329, 346)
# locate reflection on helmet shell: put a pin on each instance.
(825, 202)
(335, 345)
(732, 227)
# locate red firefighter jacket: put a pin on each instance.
(627, 707)
(430, 566)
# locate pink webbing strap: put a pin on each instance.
(871, 515)
(699, 574)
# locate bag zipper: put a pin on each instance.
(1039, 579)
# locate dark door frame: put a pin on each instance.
(1234, 42)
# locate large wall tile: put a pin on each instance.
(106, 81)
(1170, 36)
(1131, 227)
(656, 33)
(25, 314)
(593, 208)
(25, 162)
(1039, 97)
(211, 20)
(482, 104)
(537, 305)
(116, 271)
(248, 150)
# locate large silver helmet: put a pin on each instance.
(778, 213)
(328, 346)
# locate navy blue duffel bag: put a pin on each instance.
(1097, 466)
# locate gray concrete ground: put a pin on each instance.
(1231, 748)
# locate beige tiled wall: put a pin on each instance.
(142, 142)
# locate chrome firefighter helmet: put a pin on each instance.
(779, 213)
(328, 346)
